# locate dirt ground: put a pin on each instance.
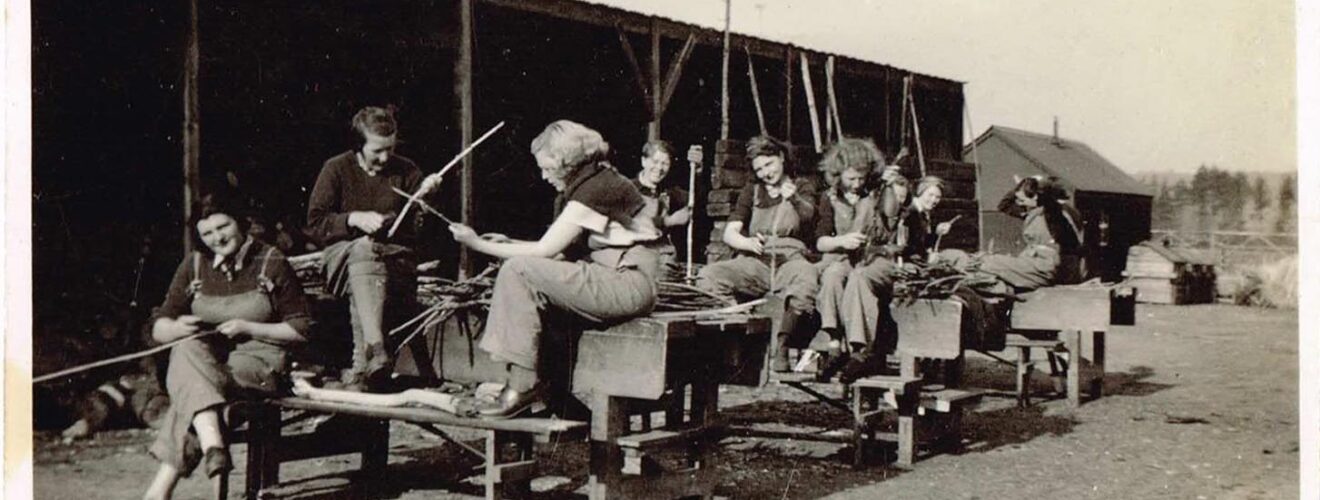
(1201, 403)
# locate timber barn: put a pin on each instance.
(266, 92)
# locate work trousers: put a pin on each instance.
(745, 277)
(865, 305)
(203, 375)
(386, 274)
(830, 298)
(527, 288)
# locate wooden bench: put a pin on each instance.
(509, 463)
(1062, 320)
(929, 414)
(671, 366)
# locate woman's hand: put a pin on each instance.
(943, 228)
(235, 328)
(430, 183)
(787, 189)
(367, 222)
(463, 234)
(850, 241)
(754, 245)
(694, 155)
(171, 329)
(890, 173)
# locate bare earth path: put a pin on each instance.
(1201, 403)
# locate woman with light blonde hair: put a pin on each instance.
(607, 273)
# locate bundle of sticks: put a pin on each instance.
(308, 269)
(444, 298)
(940, 279)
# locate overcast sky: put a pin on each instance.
(1154, 85)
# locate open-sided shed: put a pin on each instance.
(1115, 207)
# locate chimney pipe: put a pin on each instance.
(1056, 140)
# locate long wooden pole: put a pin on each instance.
(192, 143)
(463, 92)
(653, 128)
(811, 101)
(756, 92)
(724, 73)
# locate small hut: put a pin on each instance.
(1171, 275)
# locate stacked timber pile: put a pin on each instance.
(1171, 275)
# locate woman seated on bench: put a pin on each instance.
(608, 275)
(895, 236)
(245, 291)
(1050, 230)
(768, 228)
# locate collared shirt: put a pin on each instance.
(236, 264)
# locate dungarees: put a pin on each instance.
(657, 208)
(864, 308)
(835, 266)
(782, 268)
(205, 373)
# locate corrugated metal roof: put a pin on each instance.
(1074, 162)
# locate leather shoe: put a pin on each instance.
(512, 403)
(836, 362)
(216, 461)
(863, 365)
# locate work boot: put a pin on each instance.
(833, 362)
(366, 284)
(379, 367)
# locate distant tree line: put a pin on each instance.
(1220, 200)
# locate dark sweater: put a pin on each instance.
(344, 187)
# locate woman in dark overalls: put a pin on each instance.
(768, 227)
(246, 292)
(608, 273)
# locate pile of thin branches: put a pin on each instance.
(681, 297)
(940, 279)
(308, 269)
(444, 298)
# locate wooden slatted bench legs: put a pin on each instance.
(511, 478)
(623, 464)
(1068, 362)
(931, 415)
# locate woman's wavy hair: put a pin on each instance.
(574, 144)
(212, 204)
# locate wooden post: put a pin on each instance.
(653, 129)
(463, 94)
(788, 95)
(724, 74)
(192, 142)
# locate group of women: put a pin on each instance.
(236, 303)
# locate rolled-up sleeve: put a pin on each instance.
(176, 301)
(290, 302)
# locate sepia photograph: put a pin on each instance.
(650, 249)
